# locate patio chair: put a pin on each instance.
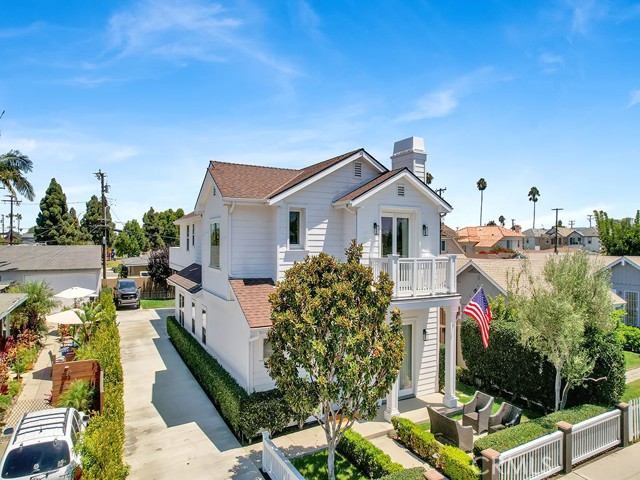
(507, 416)
(457, 434)
(476, 412)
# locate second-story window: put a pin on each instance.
(188, 237)
(193, 317)
(295, 229)
(193, 235)
(204, 326)
(214, 253)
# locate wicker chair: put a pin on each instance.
(476, 412)
(459, 435)
(507, 416)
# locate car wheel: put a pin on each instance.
(137, 305)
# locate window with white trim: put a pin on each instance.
(267, 350)
(188, 226)
(296, 228)
(193, 235)
(193, 317)
(204, 326)
(214, 249)
(181, 309)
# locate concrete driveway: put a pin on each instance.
(171, 428)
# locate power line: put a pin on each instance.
(555, 247)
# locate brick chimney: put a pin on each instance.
(410, 153)
(517, 228)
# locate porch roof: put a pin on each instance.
(253, 297)
(189, 278)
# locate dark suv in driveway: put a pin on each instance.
(126, 292)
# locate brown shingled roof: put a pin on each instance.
(189, 215)
(368, 186)
(237, 180)
(253, 297)
(189, 278)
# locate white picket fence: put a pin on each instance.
(535, 460)
(275, 464)
(595, 435)
(634, 419)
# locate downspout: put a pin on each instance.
(229, 212)
(252, 339)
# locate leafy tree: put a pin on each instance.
(92, 222)
(330, 322)
(132, 241)
(618, 237)
(428, 178)
(482, 186)
(491, 223)
(39, 303)
(159, 228)
(13, 166)
(554, 312)
(533, 194)
(501, 219)
(158, 267)
(55, 224)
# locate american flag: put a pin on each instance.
(478, 308)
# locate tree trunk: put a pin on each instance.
(481, 199)
(558, 387)
(565, 396)
(331, 449)
(534, 218)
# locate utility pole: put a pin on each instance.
(100, 176)
(3, 224)
(589, 217)
(440, 191)
(571, 223)
(12, 199)
(555, 247)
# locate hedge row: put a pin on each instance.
(509, 438)
(513, 378)
(630, 337)
(453, 462)
(246, 414)
(409, 474)
(101, 445)
(368, 458)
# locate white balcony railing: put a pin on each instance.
(418, 277)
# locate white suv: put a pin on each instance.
(42, 446)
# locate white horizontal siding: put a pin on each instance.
(253, 253)
(427, 378)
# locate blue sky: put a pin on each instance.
(520, 93)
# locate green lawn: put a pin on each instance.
(631, 391)
(631, 360)
(314, 467)
(169, 303)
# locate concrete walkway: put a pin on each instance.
(623, 464)
(172, 431)
(633, 374)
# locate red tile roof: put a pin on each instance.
(253, 298)
(252, 181)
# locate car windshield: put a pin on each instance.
(39, 458)
(127, 284)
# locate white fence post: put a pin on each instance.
(634, 419)
(275, 464)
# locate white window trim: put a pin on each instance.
(188, 235)
(303, 228)
(203, 324)
(413, 213)
(217, 220)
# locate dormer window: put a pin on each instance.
(357, 169)
(401, 190)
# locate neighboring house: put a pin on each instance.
(28, 238)
(590, 238)
(8, 303)
(536, 239)
(251, 223)
(61, 266)
(625, 279)
(487, 238)
(449, 241)
(136, 265)
(586, 238)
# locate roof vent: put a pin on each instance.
(401, 190)
(357, 169)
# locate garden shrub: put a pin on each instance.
(409, 474)
(368, 458)
(246, 414)
(513, 378)
(78, 396)
(441, 370)
(101, 445)
(512, 437)
(630, 337)
(455, 463)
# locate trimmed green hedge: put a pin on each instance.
(246, 414)
(513, 378)
(452, 461)
(368, 458)
(409, 474)
(525, 432)
(630, 337)
(102, 443)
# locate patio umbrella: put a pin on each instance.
(75, 292)
(66, 317)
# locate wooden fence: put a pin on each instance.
(65, 373)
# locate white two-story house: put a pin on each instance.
(251, 223)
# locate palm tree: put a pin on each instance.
(13, 166)
(31, 314)
(18, 218)
(501, 219)
(482, 186)
(534, 193)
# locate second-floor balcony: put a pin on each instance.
(418, 277)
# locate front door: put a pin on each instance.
(406, 370)
(395, 235)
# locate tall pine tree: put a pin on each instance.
(55, 224)
(92, 222)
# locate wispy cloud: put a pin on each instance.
(305, 17)
(635, 98)
(197, 30)
(444, 101)
(584, 13)
(550, 62)
(21, 31)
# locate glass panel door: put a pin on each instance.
(387, 236)
(395, 236)
(402, 236)
(406, 371)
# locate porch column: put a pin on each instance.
(394, 274)
(450, 399)
(451, 275)
(392, 402)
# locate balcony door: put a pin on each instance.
(405, 380)
(395, 235)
